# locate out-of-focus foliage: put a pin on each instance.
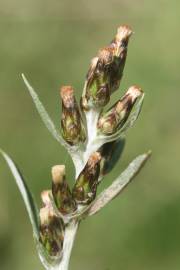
(52, 42)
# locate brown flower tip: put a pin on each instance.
(127, 101)
(106, 55)
(61, 191)
(58, 173)
(67, 95)
(45, 214)
(115, 118)
(134, 92)
(93, 160)
(123, 33)
(45, 197)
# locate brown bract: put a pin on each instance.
(67, 95)
(45, 196)
(58, 173)
(134, 92)
(106, 55)
(93, 160)
(119, 112)
(123, 33)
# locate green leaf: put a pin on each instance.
(26, 194)
(43, 113)
(119, 184)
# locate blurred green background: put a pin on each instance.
(52, 42)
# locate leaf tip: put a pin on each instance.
(2, 152)
(23, 76)
(148, 154)
(24, 79)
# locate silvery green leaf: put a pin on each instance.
(32, 211)
(26, 194)
(43, 113)
(119, 184)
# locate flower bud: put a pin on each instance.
(119, 46)
(123, 34)
(73, 130)
(106, 71)
(61, 191)
(45, 197)
(51, 231)
(115, 118)
(84, 190)
(97, 92)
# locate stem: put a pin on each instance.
(69, 238)
(92, 117)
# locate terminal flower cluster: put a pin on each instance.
(94, 137)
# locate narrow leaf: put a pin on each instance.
(32, 211)
(119, 184)
(43, 113)
(26, 194)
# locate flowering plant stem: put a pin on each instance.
(69, 238)
(95, 139)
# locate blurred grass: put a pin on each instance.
(52, 42)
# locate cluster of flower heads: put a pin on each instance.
(103, 78)
(66, 201)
